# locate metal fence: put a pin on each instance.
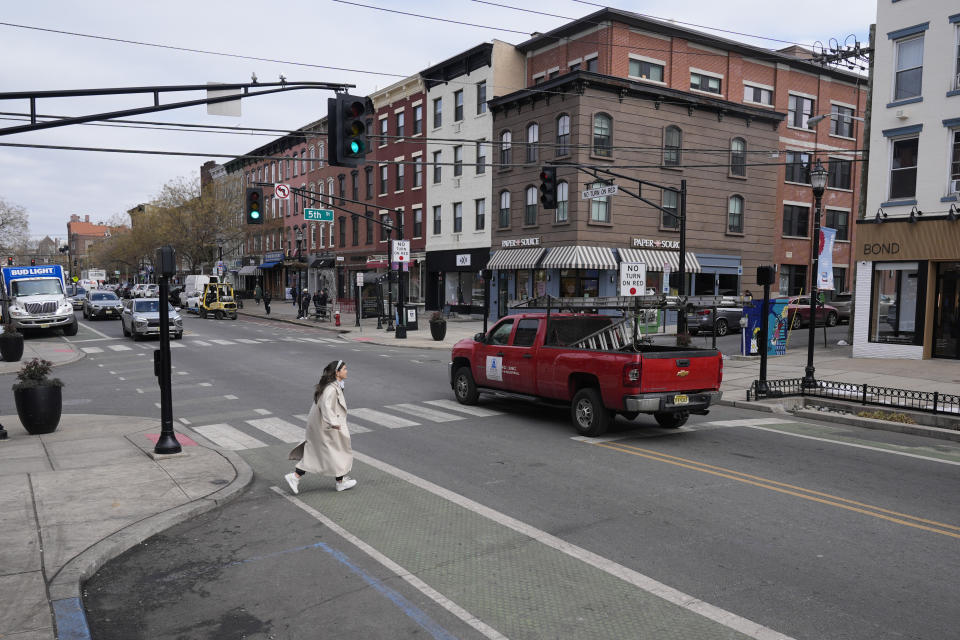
(866, 394)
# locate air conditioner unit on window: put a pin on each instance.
(955, 186)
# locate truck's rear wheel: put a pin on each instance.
(671, 420)
(590, 417)
(71, 329)
(464, 388)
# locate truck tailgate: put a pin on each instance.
(681, 371)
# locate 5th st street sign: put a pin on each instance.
(318, 215)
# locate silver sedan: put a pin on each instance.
(141, 317)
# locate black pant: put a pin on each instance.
(266, 306)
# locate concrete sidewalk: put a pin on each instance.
(56, 349)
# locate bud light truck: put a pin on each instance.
(37, 298)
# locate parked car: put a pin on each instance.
(141, 317)
(146, 290)
(101, 304)
(76, 293)
(728, 318)
(842, 303)
(798, 313)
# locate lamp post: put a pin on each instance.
(299, 233)
(818, 181)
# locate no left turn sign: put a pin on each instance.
(282, 191)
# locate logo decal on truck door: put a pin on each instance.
(495, 368)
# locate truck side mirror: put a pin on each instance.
(480, 337)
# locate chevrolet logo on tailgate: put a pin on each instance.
(683, 372)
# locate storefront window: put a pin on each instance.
(523, 285)
(575, 283)
(540, 282)
(894, 303)
(946, 323)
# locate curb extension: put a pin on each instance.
(295, 322)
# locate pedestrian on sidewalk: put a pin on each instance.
(327, 449)
(295, 294)
(257, 294)
(304, 304)
(266, 301)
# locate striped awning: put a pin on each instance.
(516, 258)
(577, 257)
(249, 270)
(655, 259)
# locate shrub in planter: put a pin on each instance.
(438, 326)
(11, 343)
(38, 397)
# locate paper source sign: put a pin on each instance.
(633, 278)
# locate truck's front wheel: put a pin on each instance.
(590, 417)
(464, 387)
(72, 328)
(671, 420)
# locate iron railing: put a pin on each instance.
(865, 394)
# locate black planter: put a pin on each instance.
(39, 408)
(438, 330)
(11, 346)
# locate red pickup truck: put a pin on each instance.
(590, 362)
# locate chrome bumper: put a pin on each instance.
(655, 402)
(42, 322)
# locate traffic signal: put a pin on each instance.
(254, 206)
(33, 262)
(347, 139)
(548, 187)
(9, 261)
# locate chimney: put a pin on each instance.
(74, 217)
(86, 218)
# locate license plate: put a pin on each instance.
(681, 399)
(45, 326)
(109, 311)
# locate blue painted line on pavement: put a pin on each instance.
(70, 619)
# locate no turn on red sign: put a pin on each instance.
(633, 278)
(401, 251)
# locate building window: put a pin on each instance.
(342, 183)
(909, 68)
(437, 112)
(838, 174)
(418, 172)
(400, 225)
(735, 214)
(369, 172)
(400, 131)
(602, 135)
(896, 304)
(481, 157)
(458, 105)
(354, 185)
(533, 140)
(330, 191)
(383, 131)
(580, 283)
(481, 97)
(458, 160)
(457, 217)
(646, 70)
(955, 164)
(669, 200)
(418, 223)
(504, 220)
(369, 236)
(563, 201)
(799, 111)
(505, 149)
(841, 121)
(796, 220)
(839, 280)
(436, 167)
(672, 141)
(599, 207)
(703, 82)
(903, 168)
(757, 94)
(384, 222)
(418, 119)
(793, 279)
(530, 210)
(563, 135)
(738, 157)
(400, 172)
(593, 64)
(303, 162)
(384, 179)
(839, 220)
(355, 230)
(480, 219)
(437, 217)
(798, 167)
(294, 165)
(342, 227)
(574, 67)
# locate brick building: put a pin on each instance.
(81, 235)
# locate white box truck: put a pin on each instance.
(37, 298)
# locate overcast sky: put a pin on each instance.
(52, 184)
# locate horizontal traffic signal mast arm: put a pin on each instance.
(33, 96)
(317, 197)
(595, 171)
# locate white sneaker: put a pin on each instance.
(293, 481)
(346, 483)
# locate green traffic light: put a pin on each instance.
(355, 146)
(255, 214)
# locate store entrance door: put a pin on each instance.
(946, 319)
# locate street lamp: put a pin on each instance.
(299, 234)
(818, 181)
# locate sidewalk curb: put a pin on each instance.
(296, 322)
(66, 585)
(15, 366)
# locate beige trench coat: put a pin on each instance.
(326, 450)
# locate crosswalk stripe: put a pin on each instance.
(280, 429)
(92, 349)
(456, 406)
(223, 341)
(246, 340)
(381, 418)
(201, 343)
(317, 340)
(176, 345)
(119, 347)
(351, 426)
(334, 340)
(423, 412)
(228, 437)
(263, 412)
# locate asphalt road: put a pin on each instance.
(507, 525)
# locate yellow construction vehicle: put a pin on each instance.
(217, 300)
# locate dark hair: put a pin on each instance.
(329, 375)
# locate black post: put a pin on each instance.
(167, 442)
(357, 304)
(390, 326)
(402, 324)
(487, 274)
(809, 382)
(762, 389)
(681, 312)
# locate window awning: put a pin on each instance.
(249, 270)
(655, 259)
(269, 265)
(322, 263)
(577, 257)
(516, 258)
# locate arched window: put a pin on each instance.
(530, 210)
(294, 165)
(504, 218)
(303, 162)
(533, 141)
(563, 201)
(672, 143)
(735, 214)
(330, 191)
(738, 157)
(602, 135)
(506, 141)
(563, 135)
(320, 156)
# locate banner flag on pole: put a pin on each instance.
(825, 265)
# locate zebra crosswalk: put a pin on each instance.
(211, 342)
(265, 430)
